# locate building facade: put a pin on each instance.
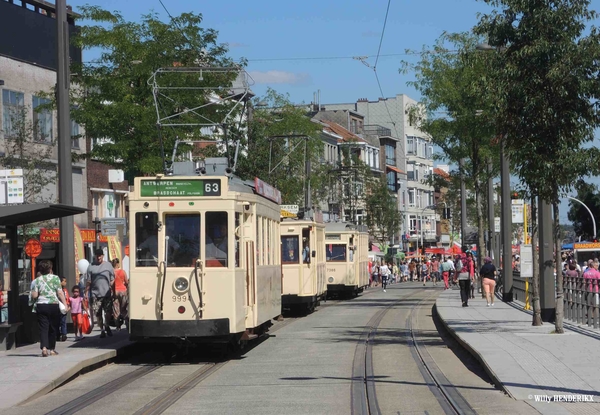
(413, 158)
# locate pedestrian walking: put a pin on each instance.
(76, 310)
(464, 279)
(435, 270)
(447, 267)
(100, 282)
(412, 266)
(488, 280)
(384, 271)
(63, 317)
(121, 302)
(45, 295)
(472, 273)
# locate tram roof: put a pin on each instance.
(339, 226)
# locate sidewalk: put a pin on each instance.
(26, 375)
(526, 362)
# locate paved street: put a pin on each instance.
(305, 367)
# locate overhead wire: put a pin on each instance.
(400, 140)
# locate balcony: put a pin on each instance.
(377, 130)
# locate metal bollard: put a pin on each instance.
(579, 304)
(596, 305)
(590, 302)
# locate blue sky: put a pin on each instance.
(268, 32)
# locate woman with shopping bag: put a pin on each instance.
(48, 301)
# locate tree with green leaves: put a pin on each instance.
(383, 218)
(451, 77)
(282, 140)
(579, 216)
(545, 81)
(114, 100)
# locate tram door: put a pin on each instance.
(250, 274)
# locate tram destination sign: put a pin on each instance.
(180, 187)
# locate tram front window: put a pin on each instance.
(289, 250)
(216, 239)
(183, 242)
(336, 253)
(146, 236)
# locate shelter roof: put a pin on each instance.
(21, 214)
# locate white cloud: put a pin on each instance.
(279, 77)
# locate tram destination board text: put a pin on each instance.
(180, 188)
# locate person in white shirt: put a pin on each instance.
(384, 271)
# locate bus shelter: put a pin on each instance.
(11, 217)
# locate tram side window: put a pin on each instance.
(289, 250)
(183, 244)
(216, 239)
(146, 237)
(336, 253)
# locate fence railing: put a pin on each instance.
(581, 300)
(519, 293)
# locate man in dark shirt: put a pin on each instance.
(101, 283)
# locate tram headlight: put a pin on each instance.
(330, 279)
(181, 284)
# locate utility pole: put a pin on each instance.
(491, 222)
(547, 290)
(507, 294)
(65, 172)
(463, 203)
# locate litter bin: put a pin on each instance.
(28, 333)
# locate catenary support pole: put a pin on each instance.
(546, 264)
(463, 204)
(507, 293)
(65, 171)
(491, 223)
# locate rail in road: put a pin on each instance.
(364, 393)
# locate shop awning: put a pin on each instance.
(392, 168)
(21, 214)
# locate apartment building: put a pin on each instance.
(27, 66)
(414, 162)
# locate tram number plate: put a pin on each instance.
(179, 298)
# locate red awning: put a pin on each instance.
(397, 170)
(375, 248)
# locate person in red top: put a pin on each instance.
(121, 300)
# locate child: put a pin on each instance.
(63, 317)
(76, 308)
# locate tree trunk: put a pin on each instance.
(558, 324)
(480, 232)
(537, 312)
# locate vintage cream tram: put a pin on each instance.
(346, 255)
(303, 264)
(206, 261)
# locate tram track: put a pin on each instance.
(363, 392)
(449, 398)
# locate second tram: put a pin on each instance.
(303, 263)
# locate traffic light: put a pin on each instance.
(514, 195)
(423, 250)
(447, 213)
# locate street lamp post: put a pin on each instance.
(589, 211)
